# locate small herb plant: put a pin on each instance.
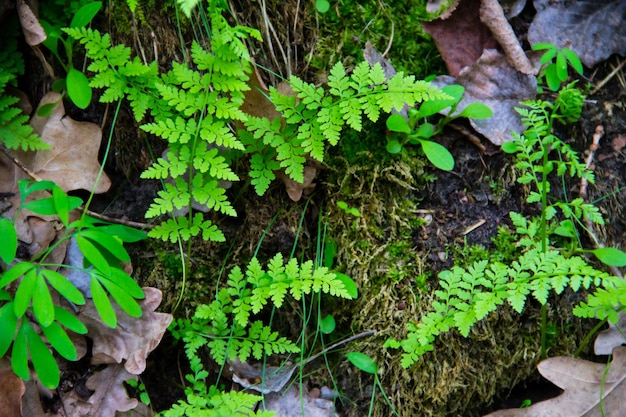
(555, 62)
(418, 131)
(75, 83)
(224, 326)
(27, 286)
(467, 295)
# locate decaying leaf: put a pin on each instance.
(109, 395)
(291, 403)
(295, 189)
(33, 31)
(593, 29)
(493, 82)
(133, 338)
(612, 337)
(590, 389)
(12, 389)
(462, 37)
(72, 162)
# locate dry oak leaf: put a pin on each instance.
(590, 389)
(133, 338)
(609, 339)
(12, 389)
(33, 31)
(593, 29)
(109, 395)
(493, 82)
(72, 162)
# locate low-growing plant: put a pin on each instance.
(27, 285)
(555, 62)
(224, 326)
(467, 295)
(416, 130)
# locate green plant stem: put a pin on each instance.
(544, 330)
(588, 337)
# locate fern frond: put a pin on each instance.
(179, 228)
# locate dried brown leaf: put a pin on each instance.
(133, 338)
(462, 37)
(33, 31)
(593, 29)
(12, 389)
(72, 162)
(590, 389)
(493, 82)
(291, 403)
(609, 339)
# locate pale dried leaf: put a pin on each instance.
(493, 82)
(12, 389)
(590, 389)
(612, 337)
(273, 378)
(295, 189)
(133, 338)
(291, 403)
(72, 162)
(33, 32)
(593, 29)
(462, 37)
(109, 395)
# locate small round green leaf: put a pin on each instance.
(438, 155)
(397, 123)
(45, 110)
(393, 146)
(561, 67)
(348, 284)
(363, 362)
(327, 324)
(8, 247)
(610, 256)
(322, 6)
(425, 131)
(509, 147)
(78, 88)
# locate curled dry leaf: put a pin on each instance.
(133, 338)
(33, 32)
(593, 29)
(609, 339)
(493, 82)
(72, 162)
(590, 389)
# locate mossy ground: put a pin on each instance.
(412, 224)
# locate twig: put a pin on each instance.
(336, 345)
(608, 78)
(98, 216)
(582, 193)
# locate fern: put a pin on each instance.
(15, 132)
(469, 295)
(315, 117)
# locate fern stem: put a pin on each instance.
(588, 337)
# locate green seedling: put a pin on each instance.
(554, 63)
(369, 365)
(75, 83)
(417, 130)
(349, 210)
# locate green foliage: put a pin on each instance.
(555, 62)
(225, 328)
(76, 83)
(467, 295)
(418, 131)
(27, 286)
(15, 132)
(315, 116)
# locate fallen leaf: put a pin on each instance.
(590, 389)
(291, 403)
(593, 29)
(133, 338)
(609, 339)
(33, 31)
(11, 390)
(72, 162)
(109, 395)
(462, 37)
(493, 82)
(295, 189)
(618, 143)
